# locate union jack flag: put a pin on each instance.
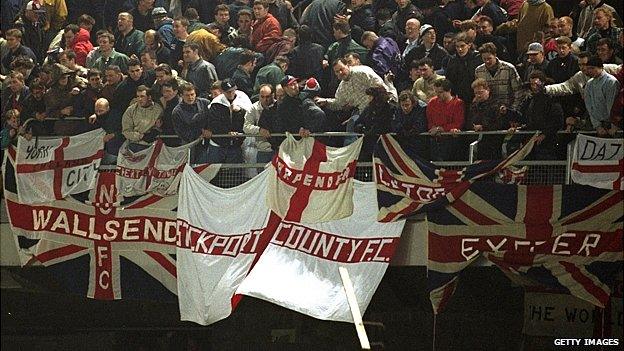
(407, 184)
(98, 244)
(566, 237)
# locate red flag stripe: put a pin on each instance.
(56, 164)
(539, 208)
(163, 261)
(613, 200)
(586, 282)
(397, 158)
(152, 161)
(60, 252)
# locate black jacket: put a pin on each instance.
(461, 72)
(222, 120)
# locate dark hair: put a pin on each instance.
(113, 68)
(134, 62)
(425, 61)
(221, 7)
(384, 14)
(353, 54)
(245, 12)
(191, 13)
(341, 60)
(261, 2)
(145, 89)
(379, 94)
(486, 19)
(584, 54)
(462, 36)
(185, 87)
(72, 28)
(86, 19)
(605, 41)
(108, 35)
(183, 21)
(246, 56)
(281, 59)
(407, 95)
(538, 74)
(94, 72)
(70, 54)
(444, 83)
(163, 67)
(488, 48)
(22, 61)
(150, 53)
(192, 46)
(342, 25)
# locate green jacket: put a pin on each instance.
(269, 74)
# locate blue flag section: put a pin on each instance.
(566, 237)
(97, 245)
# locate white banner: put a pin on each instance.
(598, 162)
(220, 235)
(154, 170)
(50, 169)
(311, 182)
(299, 268)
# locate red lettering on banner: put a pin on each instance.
(334, 247)
(309, 178)
(103, 271)
(202, 241)
(444, 248)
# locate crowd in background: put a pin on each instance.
(145, 69)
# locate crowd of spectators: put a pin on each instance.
(423, 69)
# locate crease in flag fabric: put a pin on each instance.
(155, 170)
(299, 268)
(408, 185)
(222, 232)
(598, 162)
(51, 169)
(310, 182)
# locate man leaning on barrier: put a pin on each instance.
(188, 119)
(142, 120)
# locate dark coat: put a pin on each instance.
(385, 56)
(188, 120)
(436, 54)
(374, 121)
(306, 60)
(461, 72)
(319, 16)
(222, 120)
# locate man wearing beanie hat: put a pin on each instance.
(427, 48)
(600, 92)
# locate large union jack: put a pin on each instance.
(566, 237)
(96, 244)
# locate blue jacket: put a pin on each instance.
(188, 120)
(385, 56)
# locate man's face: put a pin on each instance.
(411, 30)
(230, 94)
(593, 72)
(601, 21)
(462, 48)
(150, 42)
(406, 106)
(148, 62)
(244, 23)
(341, 71)
(536, 84)
(426, 71)
(65, 61)
(135, 72)
(260, 11)
(189, 55)
(352, 61)
(279, 93)
(13, 42)
(441, 93)
(489, 60)
(553, 27)
(37, 93)
(563, 50)
(112, 77)
(161, 76)
(178, 29)
(69, 37)
(168, 93)
(429, 36)
(105, 44)
(15, 85)
(266, 97)
(414, 74)
(292, 89)
(449, 44)
(368, 43)
(471, 33)
(188, 96)
(536, 58)
(95, 81)
(481, 94)
(215, 92)
(143, 98)
(402, 3)
(563, 28)
(583, 65)
(124, 23)
(222, 17)
(485, 28)
(604, 52)
(101, 109)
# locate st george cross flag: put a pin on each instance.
(50, 169)
(155, 170)
(299, 268)
(221, 235)
(407, 184)
(310, 182)
(567, 237)
(110, 249)
(598, 162)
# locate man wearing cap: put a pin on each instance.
(163, 25)
(198, 71)
(428, 48)
(536, 60)
(226, 115)
(600, 93)
(296, 113)
(31, 24)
